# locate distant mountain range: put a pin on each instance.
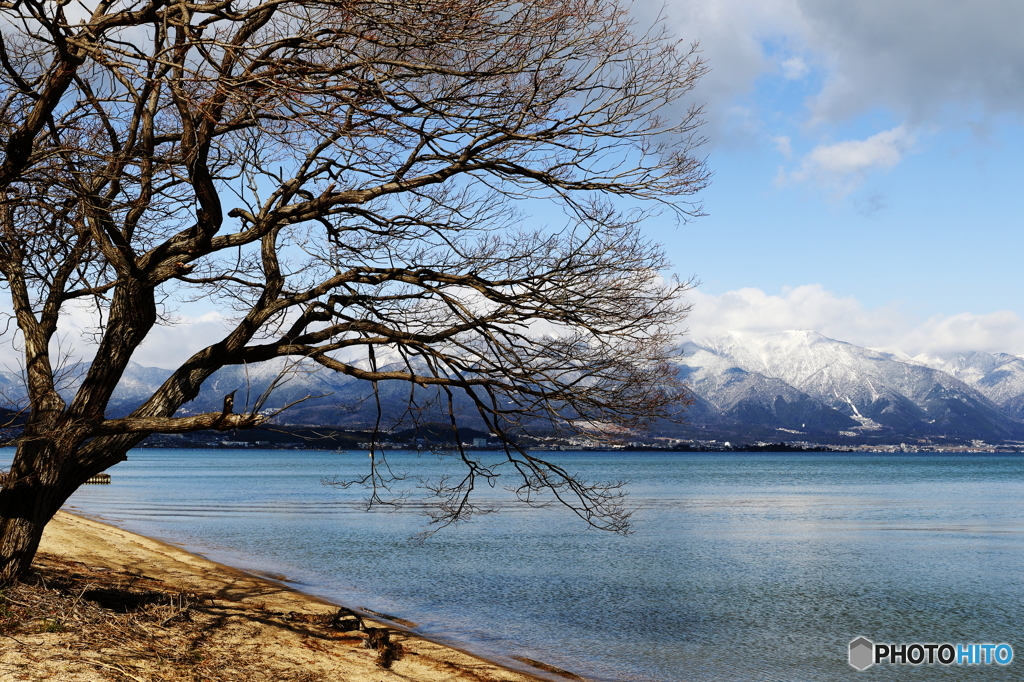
(802, 385)
(793, 385)
(327, 398)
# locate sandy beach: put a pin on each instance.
(107, 604)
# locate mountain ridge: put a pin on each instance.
(797, 385)
(881, 393)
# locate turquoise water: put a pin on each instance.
(741, 567)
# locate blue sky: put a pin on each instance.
(867, 167)
(867, 161)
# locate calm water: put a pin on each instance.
(742, 566)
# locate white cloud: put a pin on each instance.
(731, 34)
(804, 307)
(883, 150)
(926, 61)
(795, 68)
(169, 346)
(165, 346)
(843, 165)
(1001, 331)
(808, 306)
(783, 145)
(943, 62)
(847, 319)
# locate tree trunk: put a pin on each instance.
(26, 509)
(42, 477)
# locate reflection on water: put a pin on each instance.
(742, 566)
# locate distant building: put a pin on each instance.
(479, 442)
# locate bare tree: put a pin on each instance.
(346, 175)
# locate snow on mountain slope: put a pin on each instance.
(873, 388)
(796, 381)
(741, 396)
(829, 370)
(999, 376)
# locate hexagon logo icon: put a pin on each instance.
(862, 653)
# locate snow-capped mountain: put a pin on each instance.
(791, 385)
(999, 376)
(836, 386)
(323, 397)
(725, 389)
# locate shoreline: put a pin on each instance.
(103, 547)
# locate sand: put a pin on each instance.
(225, 625)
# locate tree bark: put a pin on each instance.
(41, 479)
(24, 512)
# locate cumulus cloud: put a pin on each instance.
(843, 165)
(804, 307)
(924, 60)
(732, 35)
(169, 346)
(809, 306)
(166, 346)
(783, 145)
(794, 68)
(927, 61)
(1001, 331)
(937, 65)
(883, 150)
(847, 319)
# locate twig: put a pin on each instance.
(79, 597)
(118, 669)
(15, 639)
(8, 600)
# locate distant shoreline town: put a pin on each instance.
(330, 438)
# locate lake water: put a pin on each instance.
(741, 567)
